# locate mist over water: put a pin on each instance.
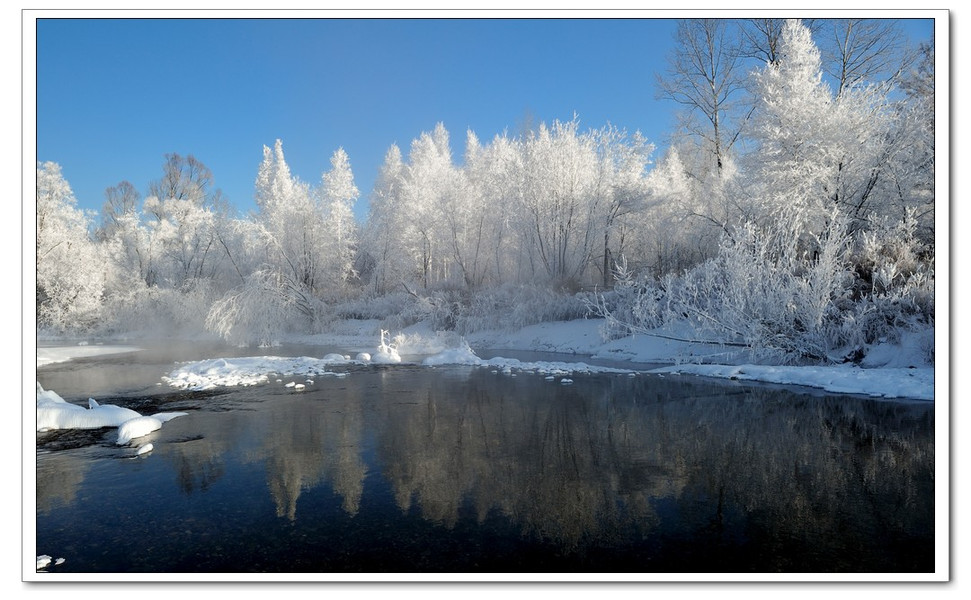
(459, 469)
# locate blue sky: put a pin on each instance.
(115, 95)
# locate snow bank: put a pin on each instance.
(53, 412)
(464, 355)
(581, 337)
(56, 354)
(889, 370)
(917, 383)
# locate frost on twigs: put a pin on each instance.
(387, 352)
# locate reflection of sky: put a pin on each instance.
(518, 464)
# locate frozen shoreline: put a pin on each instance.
(891, 371)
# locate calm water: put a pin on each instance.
(456, 469)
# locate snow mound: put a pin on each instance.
(461, 355)
(53, 412)
(142, 426)
(229, 372)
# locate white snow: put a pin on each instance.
(916, 383)
(245, 371)
(889, 370)
(387, 352)
(55, 354)
(142, 426)
(464, 355)
(53, 412)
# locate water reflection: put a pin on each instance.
(685, 472)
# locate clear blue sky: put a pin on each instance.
(115, 95)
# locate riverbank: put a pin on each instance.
(889, 370)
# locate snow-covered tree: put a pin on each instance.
(71, 267)
(493, 174)
(383, 237)
(798, 155)
(559, 183)
(289, 224)
(338, 193)
(429, 182)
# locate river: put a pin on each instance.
(457, 469)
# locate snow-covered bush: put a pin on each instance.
(374, 306)
(634, 305)
(516, 306)
(894, 286)
(439, 309)
(770, 290)
(258, 311)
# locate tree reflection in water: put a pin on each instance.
(677, 473)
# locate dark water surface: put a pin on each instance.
(458, 469)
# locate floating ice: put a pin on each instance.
(145, 449)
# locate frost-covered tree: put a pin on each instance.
(559, 183)
(383, 237)
(183, 178)
(290, 223)
(338, 193)
(669, 234)
(798, 155)
(71, 268)
(493, 174)
(620, 190)
(428, 183)
(817, 150)
(120, 200)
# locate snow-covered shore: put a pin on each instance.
(890, 371)
(54, 354)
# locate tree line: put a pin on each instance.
(792, 212)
